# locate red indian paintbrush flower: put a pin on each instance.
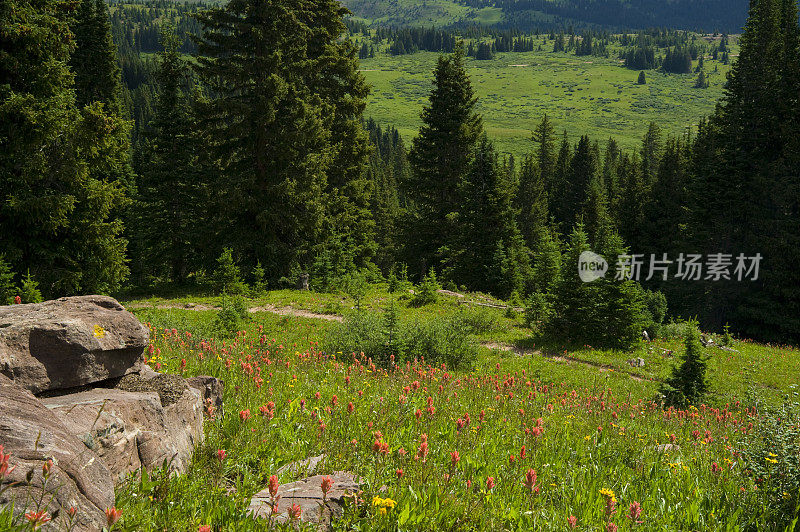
(635, 511)
(326, 486)
(490, 484)
(273, 486)
(572, 521)
(112, 515)
(294, 512)
(221, 454)
(454, 458)
(244, 415)
(530, 481)
(37, 519)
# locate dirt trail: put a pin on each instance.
(519, 351)
(281, 311)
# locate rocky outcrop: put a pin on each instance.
(69, 342)
(134, 429)
(100, 414)
(307, 494)
(33, 435)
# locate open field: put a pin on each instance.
(584, 95)
(583, 420)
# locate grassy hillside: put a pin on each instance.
(584, 95)
(526, 438)
(709, 15)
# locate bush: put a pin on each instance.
(259, 283)
(481, 320)
(656, 304)
(441, 340)
(687, 384)
(228, 319)
(427, 291)
(356, 286)
(538, 311)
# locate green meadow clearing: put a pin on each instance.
(523, 437)
(585, 95)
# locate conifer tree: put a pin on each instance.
(440, 158)
(494, 261)
(94, 61)
(281, 85)
(170, 190)
(687, 384)
(531, 202)
(665, 210)
(336, 79)
(650, 153)
(577, 305)
(56, 200)
(571, 193)
(741, 177)
(556, 187)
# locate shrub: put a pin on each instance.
(538, 311)
(360, 332)
(356, 286)
(441, 340)
(427, 290)
(228, 319)
(481, 320)
(656, 304)
(673, 330)
(514, 302)
(687, 384)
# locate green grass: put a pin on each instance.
(753, 372)
(584, 95)
(599, 429)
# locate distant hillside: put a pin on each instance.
(708, 15)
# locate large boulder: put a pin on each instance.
(32, 434)
(69, 342)
(148, 420)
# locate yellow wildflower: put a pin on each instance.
(99, 332)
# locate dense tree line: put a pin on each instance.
(410, 40)
(723, 15)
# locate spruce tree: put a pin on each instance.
(531, 202)
(571, 192)
(7, 288)
(650, 153)
(94, 61)
(665, 211)
(440, 157)
(336, 79)
(57, 201)
(744, 192)
(494, 261)
(577, 306)
(688, 384)
(278, 82)
(171, 192)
